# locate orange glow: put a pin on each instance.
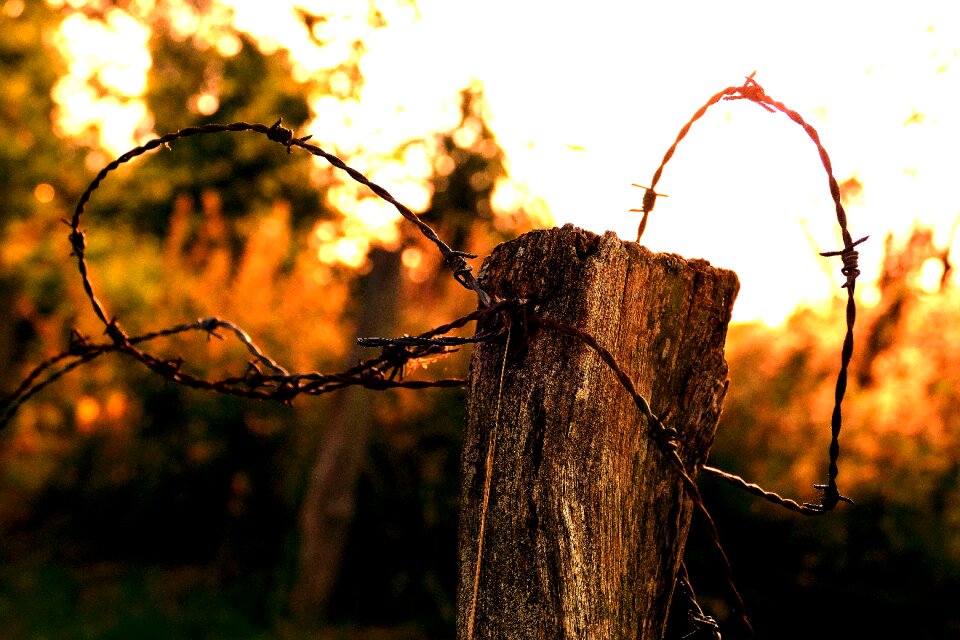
(205, 104)
(351, 252)
(13, 8)
(930, 274)
(86, 413)
(418, 269)
(412, 258)
(44, 193)
(374, 219)
(116, 406)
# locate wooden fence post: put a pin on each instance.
(583, 521)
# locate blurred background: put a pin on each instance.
(133, 508)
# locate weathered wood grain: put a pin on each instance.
(586, 522)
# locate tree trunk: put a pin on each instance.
(329, 503)
(585, 521)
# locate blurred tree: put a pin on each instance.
(191, 82)
(40, 178)
(30, 154)
(469, 163)
(898, 290)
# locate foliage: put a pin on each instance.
(129, 507)
(29, 154)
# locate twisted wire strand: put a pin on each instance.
(755, 489)
(752, 91)
(650, 194)
(29, 388)
(376, 373)
(36, 372)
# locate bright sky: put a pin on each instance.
(585, 101)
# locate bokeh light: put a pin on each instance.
(44, 193)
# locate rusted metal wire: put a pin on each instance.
(649, 201)
(382, 372)
(455, 260)
(751, 90)
(700, 624)
(806, 508)
(30, 386)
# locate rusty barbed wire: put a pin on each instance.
(29, 387)
(751, 90)
(806, 508)
(649, 201)
(455, 260)
(700, 624)
(382, 372)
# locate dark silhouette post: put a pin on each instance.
(328, 506)
(576, 519)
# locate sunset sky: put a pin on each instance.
(585, 101)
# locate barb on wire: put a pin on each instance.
(380, 372)
(649, 200)
(283, 135)
(700, 624)
(850, 257)
(210, 325)
(752, 91)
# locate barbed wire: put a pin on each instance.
(751, 90)
(387, 369)
(700, 624)
(382, 372)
